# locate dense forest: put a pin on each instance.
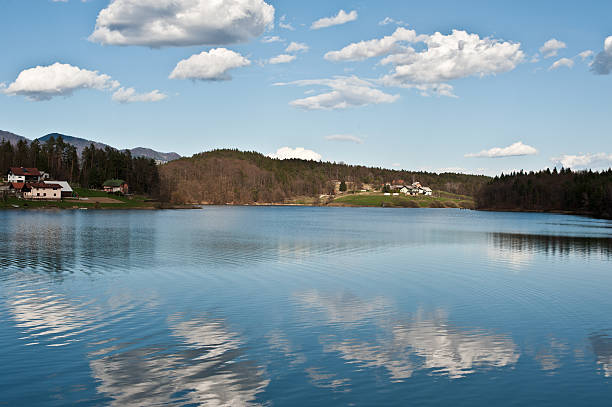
(223, 176)
(584, 192)
(90, 170)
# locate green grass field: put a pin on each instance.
(440, 200)
(132, 202)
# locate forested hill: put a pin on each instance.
(223, 176)
(584, 192)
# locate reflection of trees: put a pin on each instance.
(602, 347)
(551, 245)
(423, 342)
(208, 370)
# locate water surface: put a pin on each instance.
(304, 306)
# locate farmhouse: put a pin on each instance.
(41, 190)
(116, 185)
(21, 174)
(66, 191)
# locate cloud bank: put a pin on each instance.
(209, 66)
(514, 150)
(162, 23)
(286, 153)
(584, 161)
(341, 18)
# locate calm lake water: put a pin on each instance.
(290, 306)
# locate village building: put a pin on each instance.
(116, 185)
(66, 191)
(40, 190)
(21, 174)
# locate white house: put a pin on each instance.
(66, 191)
(41, 190)
(426, 191)
(21, 174)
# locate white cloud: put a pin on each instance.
(282, 23)
(345, 138)
(583, 161)
(209, 66)
(346, 91)
(297, 47)
(514, 150)
(453, 56)
(129, 95)
(569, 63)
(285, 153)
(274, 38)
(551, 48)
(341, 18)
(389, 20)
(602, 63)
(586, 54)
(46, 82)
(281, 59)
(372, 48)
(160, 23)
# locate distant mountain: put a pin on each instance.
(11, 137)
(156, 155)
(81, 143)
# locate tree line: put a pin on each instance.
(581, 192)
(222, 176)
(94, 166)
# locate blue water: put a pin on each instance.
(289, 306)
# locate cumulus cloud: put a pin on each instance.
(285, 153)
(209, 66)
(551, 48)
(129, 95)
(602, 63)
(46, 82)
(341, 18)
(586, 54)
(372, 48)
(345, 92)
(273, 38)
(345, 138)
(514, 150)
(297, 47)
(583, 161)
(281, 59)
(569, 63)
(156, 23)
(453, 56)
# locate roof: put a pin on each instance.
(64, 184)
(42, 185)
(17, 185)
(25, 171)
(113, 183)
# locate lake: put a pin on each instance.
(291, 306)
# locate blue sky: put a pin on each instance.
(482, 96)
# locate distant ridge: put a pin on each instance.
(11, 137)
(81, 143)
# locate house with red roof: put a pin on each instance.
(22, 174)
